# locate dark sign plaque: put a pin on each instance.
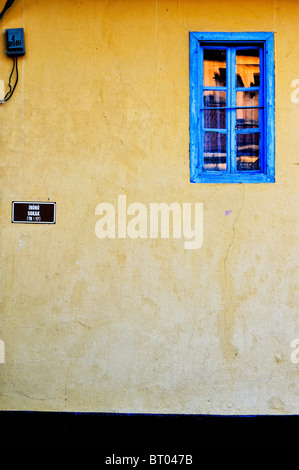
(33, 212)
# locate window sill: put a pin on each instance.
(237, 178)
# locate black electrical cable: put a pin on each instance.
(14, 63)
(9, 94)
(6, 7)
(11, 90)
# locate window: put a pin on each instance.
(231, 108)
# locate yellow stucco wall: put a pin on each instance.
(141, 325)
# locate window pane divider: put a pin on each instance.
(231, 111)
(213, 88)
(252, 88)
(250, 130)
(232, 107)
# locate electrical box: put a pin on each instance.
(15, 43)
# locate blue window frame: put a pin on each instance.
(232, 109)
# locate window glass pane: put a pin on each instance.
(247, 98)
(215, 119)
(248, 151)
(214, 99)
(247, 118)
(248, 68)
(214, 67)
(214, 151)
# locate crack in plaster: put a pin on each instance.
(227, 283)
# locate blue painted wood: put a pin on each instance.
(220, 131)
(242, 177)
(229, 104)
(263, 149)
(201, 100)
(231, 107)
(194, 106)
(216, 88)
(248, 131)
(254, 88)
(247, 37)
(265, 40)
(232, 152)
(270, 107)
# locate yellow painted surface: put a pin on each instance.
(141, 325)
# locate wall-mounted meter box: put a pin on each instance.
(15, 43)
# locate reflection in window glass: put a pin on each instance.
(214, 151)
(248, 152)
(248, 68)
(247, 98)
(215, 119)
(214, 99)
(214, 67)
(247, 118)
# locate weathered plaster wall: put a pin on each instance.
(101, 110)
